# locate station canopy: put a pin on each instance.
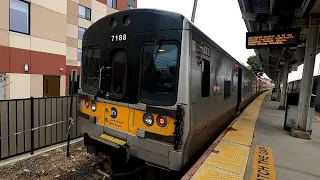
(285, 16)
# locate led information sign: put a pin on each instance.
(287, 37)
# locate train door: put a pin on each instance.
(239, 88)
(120, 75)
(123, 72)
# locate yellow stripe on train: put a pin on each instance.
(126, 119)
(113, 139)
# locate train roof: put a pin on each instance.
(142, 20)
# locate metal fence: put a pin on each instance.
(30, 124)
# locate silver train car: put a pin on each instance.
(294, 86)
(155, 87)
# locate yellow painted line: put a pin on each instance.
(316, 115)
(263, 164)
(229, 160)
(113, 139)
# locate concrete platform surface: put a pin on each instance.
(293, 158)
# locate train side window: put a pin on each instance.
(119, 73)
(205, 81)
(314, 87)
(227, 89)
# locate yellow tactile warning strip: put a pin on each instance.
(316, 115)
(263, 164)
(229, 158)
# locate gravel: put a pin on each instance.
(80, 166)
(54, 165)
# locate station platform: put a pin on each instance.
(255, 146)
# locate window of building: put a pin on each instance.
(130, 4)
(81, 31)
(84, 12)
(19, 16)
(205, 79)
(79, 55)
(227, 89)
(112, 3)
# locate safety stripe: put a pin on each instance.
(229, 159)
(263, 164)
(316, 115)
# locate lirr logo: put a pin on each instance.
(114, 112)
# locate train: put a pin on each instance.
(154, 87)
(294, 86)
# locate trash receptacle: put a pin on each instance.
(291, 113)
(274, 94)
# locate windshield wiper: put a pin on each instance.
(157, 45)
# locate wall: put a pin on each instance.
(19, 85)
(62, 85)
(122, 4)
(2, 86)
(36, 85)
(50, 49)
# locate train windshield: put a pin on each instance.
(159, 73)
(90, 68)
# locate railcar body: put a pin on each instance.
(294, 86)
(154, 87)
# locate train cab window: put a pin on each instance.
(90, 68)
(205, 81)
(158, 78)
(227, 89)
(119, 73)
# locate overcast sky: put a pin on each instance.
(221, 20)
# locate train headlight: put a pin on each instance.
(148, 119)
(93, 106)
(162, 121)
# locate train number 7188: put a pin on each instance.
(120, 37)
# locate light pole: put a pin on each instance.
(194, 10)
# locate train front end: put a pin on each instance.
(129, 102)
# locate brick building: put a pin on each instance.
(40, 43)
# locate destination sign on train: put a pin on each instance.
(274, 38)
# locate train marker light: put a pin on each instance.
(162, 121)
(93, 107)
(87, 104)
(148, 119)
